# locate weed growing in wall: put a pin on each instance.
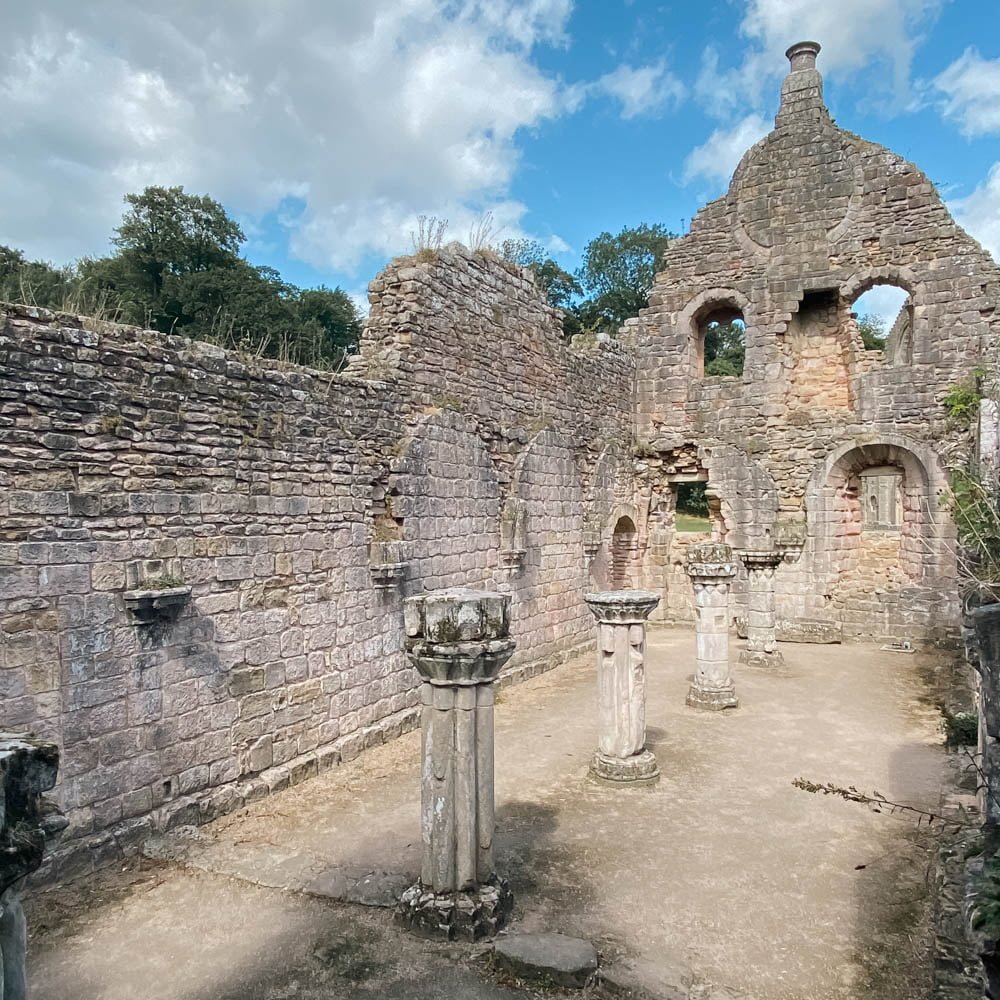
(963, 398)
(961, 729)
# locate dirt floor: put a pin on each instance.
(723, 880)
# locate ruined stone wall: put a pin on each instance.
(814, 216)
(297, 508)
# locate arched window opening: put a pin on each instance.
(624, 546)
(883, 315)
(720, 347)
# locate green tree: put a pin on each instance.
(166, 231)
(558, 285)
(618, 272)
(177, 269)
(872, 329)
(34, 282)
(725, 349)
(332, 312)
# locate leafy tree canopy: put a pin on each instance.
(177, 268)
(872, 329)
(558, 286)
(167, 231)
(618, 271)
(724, 348)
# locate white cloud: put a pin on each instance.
(979, 213)
(367, 114)
(971, 85)
(718, 156)
(526, 22)
(642, 90)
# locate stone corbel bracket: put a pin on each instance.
(513, 534)
(591, 542)
(790, 550)
(149, 606)
(388, 564)
(762, 559)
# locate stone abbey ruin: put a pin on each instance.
(204, 558)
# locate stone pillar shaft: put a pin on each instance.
(458, 640)
(457, 787)
(762, 632)
(711, 568)
(621, 674)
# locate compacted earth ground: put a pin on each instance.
(722, 881)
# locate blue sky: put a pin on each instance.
(328, 126)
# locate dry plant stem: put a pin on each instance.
(877, 802)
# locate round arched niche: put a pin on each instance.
(447, 490)
(624, 553)
(875, 520)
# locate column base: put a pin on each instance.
(640, 767)
(758, 658)
(712, 701)
(470, 915)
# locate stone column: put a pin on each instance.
(621, 753)
(28, 767)
(711, 568)
(458, 640)
(762, 628)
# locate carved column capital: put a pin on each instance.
(622, 607)
(711, 561)
(458, 637)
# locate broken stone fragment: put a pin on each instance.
(554, 959)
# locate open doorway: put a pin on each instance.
(692, 515)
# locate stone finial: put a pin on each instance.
(802, 55)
